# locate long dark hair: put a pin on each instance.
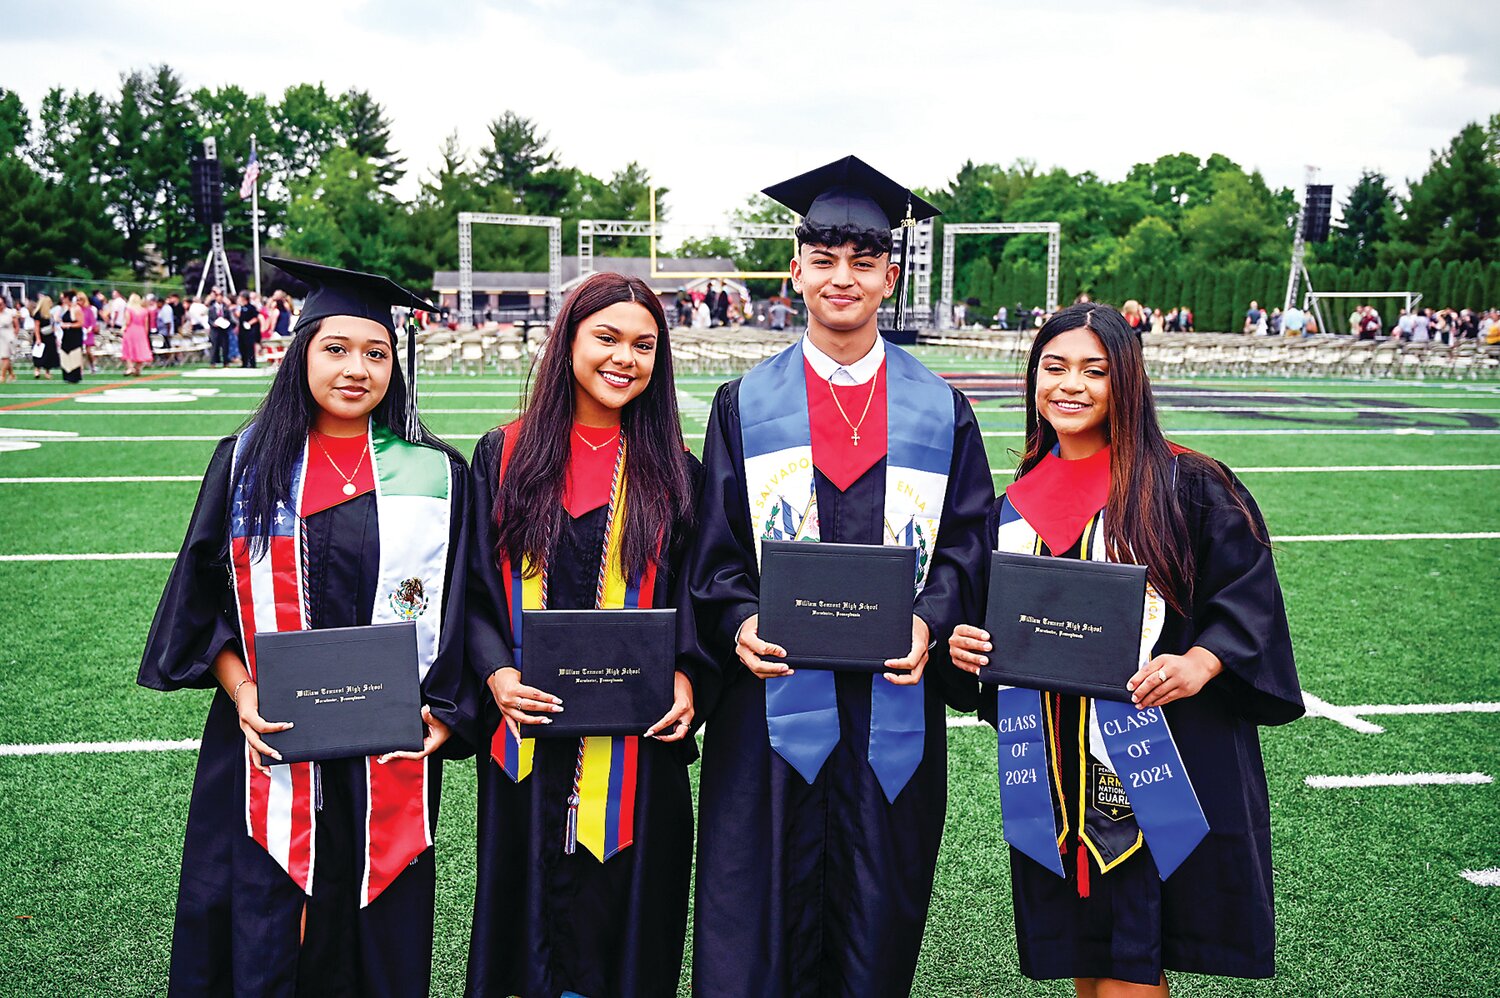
(1144, 523)
(528, 507)
(282, 421)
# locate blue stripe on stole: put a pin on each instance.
(1008, 512)
(517, 597)
(923, 438)
(612, 800)
(773, 405)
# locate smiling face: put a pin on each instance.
(349, 364)
(1072, 391)
(614, 350)
(843, 286)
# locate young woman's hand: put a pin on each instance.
(253, 725)
(679, 720)
(515, 700)
(967, 646)
(751, 649)
(437, 734)
(915, 662)
(1173, 677)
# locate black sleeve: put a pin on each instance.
(195, 619)
(449, 689)
(486, 627)
(1238, 611)
(689, 658)
(723, 578)
(954, 593)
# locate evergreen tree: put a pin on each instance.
(368, 133)
(1453, 212)
(1358, 237)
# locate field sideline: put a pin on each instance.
(1383, 497)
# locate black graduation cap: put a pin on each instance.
(334, 291)
(850, 192)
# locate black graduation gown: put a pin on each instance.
(544, 921)
(1214, 914)
(238, 912)
(820, 889)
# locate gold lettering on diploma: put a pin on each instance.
(836, 608)
(1060, 628)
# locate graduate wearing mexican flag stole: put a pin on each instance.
(332, 507)
(822, 794)
(1145, 846)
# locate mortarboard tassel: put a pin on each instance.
(413, 421)
(906, 225)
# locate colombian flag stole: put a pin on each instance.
(602, 805)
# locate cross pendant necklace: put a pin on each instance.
(853, 426)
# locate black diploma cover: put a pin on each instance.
(350, 691)
(837, 606)
(612, 669)
(1064, 625)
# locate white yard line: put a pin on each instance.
(1318, 707)
(1397, 780)
(1478, 535)
(99, 748)
(124, 556)
(1379, 709)
(101, 479)
(1483, 878)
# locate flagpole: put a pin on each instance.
(255, 220)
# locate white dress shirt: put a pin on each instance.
(857, 373)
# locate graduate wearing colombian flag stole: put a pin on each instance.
(1127, 860)
(585, 845)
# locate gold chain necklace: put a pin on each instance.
(593, 446)
(349, 488)
(854, 427)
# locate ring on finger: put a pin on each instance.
(1161, 675)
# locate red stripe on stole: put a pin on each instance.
(299, 846)
(500, 744)
(284, 590)
(396, 809)
(260, 784)
(627, 791)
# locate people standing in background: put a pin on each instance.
(1273, 324)
(779, 312)
(247, 320)
(220, 328)
(283, 323)
(1354, 319)
(114, 312)
(90, 316)
(166, 324)
(1158, 322)
(197, 318)
(43, 341)
(1293, 320)
(1369, 323)
(1134, 316)
(10, 332)
(1421, 325)
(1185, 318)
(135, 343)
(703, 315)
(1002, 317)
(68, 320)
(1403, 328)
(270, 315)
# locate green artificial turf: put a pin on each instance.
(1370, 900)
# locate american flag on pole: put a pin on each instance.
(252, 174)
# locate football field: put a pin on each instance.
(1383, 500)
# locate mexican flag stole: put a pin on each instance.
(601, 808)
(412, 491)
(802, 714)
(1131, 785)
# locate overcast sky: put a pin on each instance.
(717, 100)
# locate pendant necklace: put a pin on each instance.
(349, 488)
(593, 446)
(854, 427)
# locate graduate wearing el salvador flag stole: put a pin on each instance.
(1145, 844)
(333, 507)
(822, 794)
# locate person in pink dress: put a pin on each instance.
(135, 346)
(90, 318)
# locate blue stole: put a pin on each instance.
(1136, 744)
(802, 716)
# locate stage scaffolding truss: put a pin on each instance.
(1052, 230)
(468, 219)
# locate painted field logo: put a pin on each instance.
(409, 601)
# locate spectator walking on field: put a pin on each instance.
(247, 320)
(43, 340)
(10, 333)
(221, 324)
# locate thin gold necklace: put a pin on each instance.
(349, 488)
(854, 427)
(596, 447)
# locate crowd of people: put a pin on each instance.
(67, 333)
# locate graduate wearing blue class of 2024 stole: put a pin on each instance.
(822, 794)
(585, 844)
(1145, 845)
(332, 507)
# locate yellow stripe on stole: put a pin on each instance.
(593, 785)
